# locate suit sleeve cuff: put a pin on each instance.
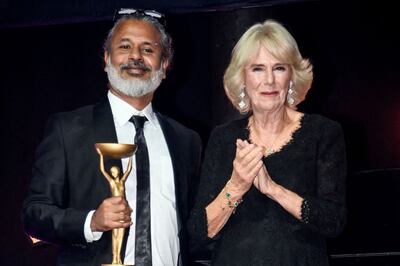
(90, 236)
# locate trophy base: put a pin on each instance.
(116, 264)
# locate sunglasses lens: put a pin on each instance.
(127, 11)
(151, 13)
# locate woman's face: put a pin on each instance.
(267, 81)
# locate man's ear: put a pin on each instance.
(165, 64)
(106, 55)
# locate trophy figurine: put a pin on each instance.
(117, 186)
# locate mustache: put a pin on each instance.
(135, 64)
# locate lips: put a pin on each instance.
(135, 70)
(269, 93)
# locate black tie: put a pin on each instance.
(143, 233)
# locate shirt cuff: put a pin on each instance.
(89, 235)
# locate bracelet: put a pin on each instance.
(228, 196)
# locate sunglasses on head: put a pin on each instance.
(140, 12)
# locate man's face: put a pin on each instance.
(136, 50)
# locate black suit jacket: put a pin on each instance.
(67, 183)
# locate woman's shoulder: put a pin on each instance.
(320, 121)
(320, 126)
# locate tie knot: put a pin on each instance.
(138, 121)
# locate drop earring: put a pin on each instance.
(242, 103)
(289, 97)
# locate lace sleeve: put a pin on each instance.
(326, 212)
(208, 190)
(305, 211)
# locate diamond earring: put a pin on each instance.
(242, 103)
(289, 97)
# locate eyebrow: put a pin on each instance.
(257, 65)
(263, 65)
(143, 43)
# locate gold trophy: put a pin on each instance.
(117, 186)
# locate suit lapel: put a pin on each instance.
(172, 140)
(104, 129)
(104, 122)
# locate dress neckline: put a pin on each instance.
(293, 135)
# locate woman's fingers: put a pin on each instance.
(249, 155)
(248, 160)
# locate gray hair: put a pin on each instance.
(165, 38)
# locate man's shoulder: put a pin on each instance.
(83, 110)
(80, 116)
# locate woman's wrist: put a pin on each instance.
(236, 190)
(232, 195)
(275, 191)
(237, 186)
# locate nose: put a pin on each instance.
(135, 54)
(269, 78)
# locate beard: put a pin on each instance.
(133, 87)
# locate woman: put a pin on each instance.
(285, 190)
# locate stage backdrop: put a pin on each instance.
(54, 64)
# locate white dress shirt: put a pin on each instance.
(164, 226)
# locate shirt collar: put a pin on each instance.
(123, 111)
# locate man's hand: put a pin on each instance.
(112, 213)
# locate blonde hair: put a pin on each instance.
(281, 44)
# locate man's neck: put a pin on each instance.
(139, 103)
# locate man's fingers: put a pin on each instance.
(113, 212)
(124, 217)
(116, 204)
(113, 220)
(117, 216)
(120, 208)
(120, 224)
(116, 200)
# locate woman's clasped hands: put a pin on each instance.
(248, 169)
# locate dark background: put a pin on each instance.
(52, 62)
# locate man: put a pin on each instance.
(69, 201)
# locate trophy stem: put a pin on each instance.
(116, 180)
(117, 265)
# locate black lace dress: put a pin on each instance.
(312, 164)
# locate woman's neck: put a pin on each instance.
(273, 129)
(271, 122)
